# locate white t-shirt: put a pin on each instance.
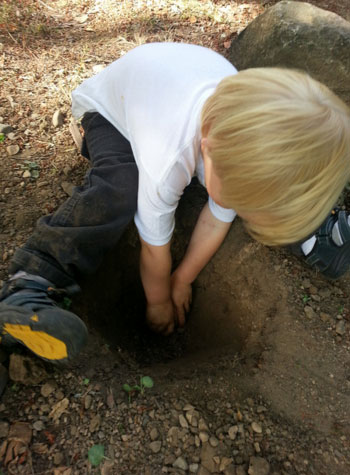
(154, 95)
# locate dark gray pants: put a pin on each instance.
(73, 241)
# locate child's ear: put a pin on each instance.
(204, 143)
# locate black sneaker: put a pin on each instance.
(3, 379)
(30, 315)
(330, 259)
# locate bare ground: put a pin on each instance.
(262, 368)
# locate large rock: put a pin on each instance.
(302, 36)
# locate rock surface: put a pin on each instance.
(298, 35)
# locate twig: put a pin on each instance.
(14, 39)
(47, 6)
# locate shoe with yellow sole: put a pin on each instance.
(30, 315)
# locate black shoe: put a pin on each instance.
(3, 379)
(326, 256)
(30, 315)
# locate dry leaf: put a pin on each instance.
(40, 448)
(20, 431)
(26, 370)
(58, 409)
(110, 399)
(82, 18)
(192, 19)
(107, 468)
(227, 44)
(62, 471)
(95, 423)
(3, 449)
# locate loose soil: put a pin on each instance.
(258, 382)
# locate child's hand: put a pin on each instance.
(161, 317)
(181, 294)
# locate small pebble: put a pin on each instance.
(154, 434)
(155, 446)
(181, 463)
(57, 119)
(232, 432)
(4, 429)
(183, 422)
(340, 327)
(213, 441)
(58, 458)
(5, 129)
(38, 425)
(47, 389)
(12, 149)
(256, 427)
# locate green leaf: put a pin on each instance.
(2, 139)
(96, 454)
(147, 382)
(127, 388)
(86, 381)
(32, 165)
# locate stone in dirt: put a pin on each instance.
(67, 187)
(258, 466)
(182, 421)
(95, 423)
(97, 68)
(256, 427)
(5, 129)
(38, 425)
(20, 431)
(301, 36)
(309, 312)
(232, 432)
(4, 429)
(155, 446)
(207, 458)
(58, 119)
(47, 389)
(58, 458)
(340, 328)
(62, 471)
(154, 434)
(181, 463)
(26, 370)
(12, 149)
(203, 471)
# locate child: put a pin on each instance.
(271, 144)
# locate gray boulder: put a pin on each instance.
(301, 36)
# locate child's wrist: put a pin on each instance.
(180, 276)
(158, 303)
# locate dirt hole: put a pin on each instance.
(233, 297)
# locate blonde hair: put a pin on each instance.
(280, 145)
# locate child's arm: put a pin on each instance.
(155, 268)
(207, 237)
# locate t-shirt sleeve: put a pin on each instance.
(157, 203)
(222, 214)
